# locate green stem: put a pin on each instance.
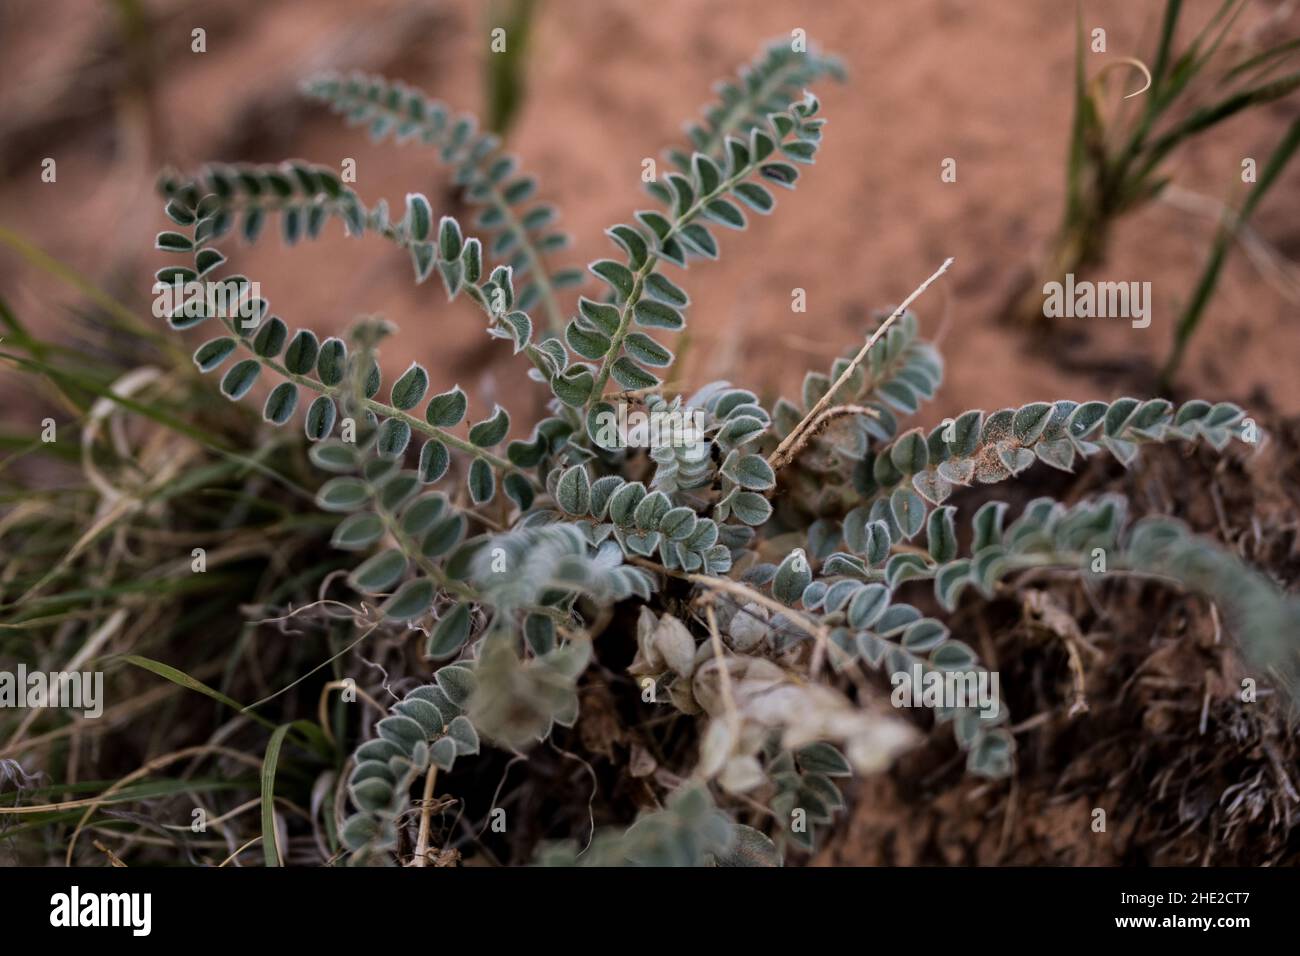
(647, 267)
(554, 316)
(336, 392)
(745, 105)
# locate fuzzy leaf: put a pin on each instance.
(449, 635)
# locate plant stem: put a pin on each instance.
(426, 814)
(336, 392)
(647, 267)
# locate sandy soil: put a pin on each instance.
(609, 84)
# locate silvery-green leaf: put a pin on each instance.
(574, 386)
(573, 492)
(867, 606)
(755, 197)
(725, 213)
(588, 343)
(959, 471)
(342, 494)
(1059, 453)
(443, 753)
(651, 510)
(443, 536)
(941, 534)
(450, 634)
(421, 514)
(633, 244)
(665, 290)
(623, 503)
(602, 489)
(987, 525)
(433, 461)
(491, 431)
(447, 409)
(397, 489)
(909, 454)
(909, 511)
(792, 576)
(409, 389)
(465, 736)
(1085, 418)
(966, 431)
(932, 487)
(332, 361)
(240, 378)
(379, 572)
(270, 338)
(924, 635)
(899, 396)
(646, 350)
(419, 217)
(783, 174)
(740, 430)
(602, 315)
(393, 437)
(371, 794)
(411, 600)
(1125, 452)
(300, 358)
(949, 581)
(1029, 422)
(281, 403)
(905, 567)
(518, 327)
(755, 474)
(631, 376)
(677, 524)
(450, 240)
(424, 712)
(749, 847)
(358, 531)
(212, 353)
(481, 481)
(822, 758)
(320, 418)
(751, 508)
(953, 656)
(1118, 416)
(992, 755)
(518, 489)
(1016, 460)
(614, 274)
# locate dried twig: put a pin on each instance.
(785, 451)
(426, 813)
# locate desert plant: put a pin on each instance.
(767, 560)
(1116, 159)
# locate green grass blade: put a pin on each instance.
(269, 849)
(188, 682)
(1192, 315)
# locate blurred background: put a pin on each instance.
(96, 529)
(113, 92)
